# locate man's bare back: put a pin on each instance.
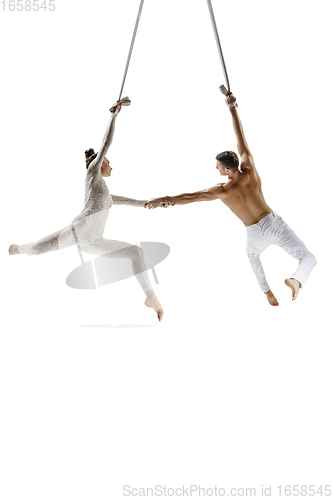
(244, 196)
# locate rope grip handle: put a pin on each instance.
(224, 90)
(126, 101)
(226, 93)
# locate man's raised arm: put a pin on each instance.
(242, 146)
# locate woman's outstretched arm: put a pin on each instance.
(122, 200)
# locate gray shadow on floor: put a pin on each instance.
(117, 326)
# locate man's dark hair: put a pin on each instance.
(90, 156)
(229, 160)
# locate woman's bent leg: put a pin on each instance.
(122, 250)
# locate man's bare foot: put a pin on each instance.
(271, 298)
(153, 302)
(294, 285)
(13, 249)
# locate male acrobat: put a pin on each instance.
(243, 195)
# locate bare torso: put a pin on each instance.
(244, 196)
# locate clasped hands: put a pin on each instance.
(164, 202)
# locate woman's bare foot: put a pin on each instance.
(271, 298)
(153, 302)
(294, 285)
(13, 249)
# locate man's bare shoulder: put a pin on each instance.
(214, 193)
(221, 185)
(248, 167)
(219, 191)
(225, 186)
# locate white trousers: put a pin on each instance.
(273, 230)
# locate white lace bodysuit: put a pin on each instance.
(87, 229)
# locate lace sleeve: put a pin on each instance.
(107, 140)
(121, 200)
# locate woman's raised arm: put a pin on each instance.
(107, 139)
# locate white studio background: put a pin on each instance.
(227, 390)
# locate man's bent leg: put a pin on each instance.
(260, 275)
(295, 247)
(258, 271)
(255, 245)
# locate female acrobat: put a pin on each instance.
(87, 229)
